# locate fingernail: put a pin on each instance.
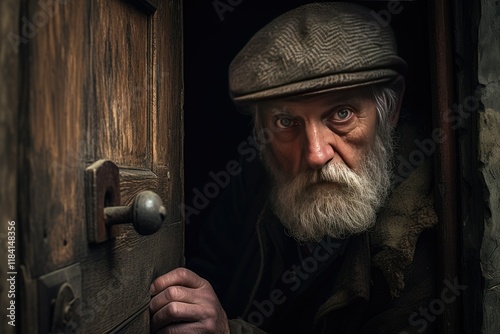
(152, 289)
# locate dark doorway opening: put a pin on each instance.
(213, 126)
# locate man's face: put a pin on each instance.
(328, 161)
(309, 133)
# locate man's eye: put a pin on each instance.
(284, 122)
(342, 115)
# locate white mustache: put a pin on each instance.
(332, 173)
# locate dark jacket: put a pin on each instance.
(375, 282)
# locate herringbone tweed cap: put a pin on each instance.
(314, 48)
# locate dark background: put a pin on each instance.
(214, 128)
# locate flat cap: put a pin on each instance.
(315, 48)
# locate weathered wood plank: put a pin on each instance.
(136, 324)
(116, 285)
(92, 93)
(120, 90)
(51, 147)
(54, 145)
(60, 116)
(168, 122)
(9, 97)
(133, 181)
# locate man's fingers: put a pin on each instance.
(171, 294)
(174, 313)
(183, 301)
(178, 276)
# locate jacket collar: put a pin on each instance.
(409, 212)
(389, 245)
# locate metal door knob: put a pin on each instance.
(146, 213)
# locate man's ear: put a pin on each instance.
(398, 85)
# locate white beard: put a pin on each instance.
(334, 201)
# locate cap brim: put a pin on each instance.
(319, 85)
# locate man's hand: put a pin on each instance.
(183, 302)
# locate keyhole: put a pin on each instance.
(109, 198)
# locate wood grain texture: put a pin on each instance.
(120, 91)
(54, 143)
(52, 147)
(116, 285)
(9, 95)
(96, 87)
(135, 324)
(446, 174)
(168, 123)
(133, 181)
(47, 156)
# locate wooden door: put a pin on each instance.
(102, 79)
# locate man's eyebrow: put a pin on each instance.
(354, 101)
(280, 111)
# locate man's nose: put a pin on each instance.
(318, 148)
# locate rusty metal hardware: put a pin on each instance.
(104, 213)
(146, 213)
(65, 317)
(59, 295)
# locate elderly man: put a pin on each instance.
(313, 237)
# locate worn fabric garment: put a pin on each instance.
(375, 282)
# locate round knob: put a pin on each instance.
(146, 213)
